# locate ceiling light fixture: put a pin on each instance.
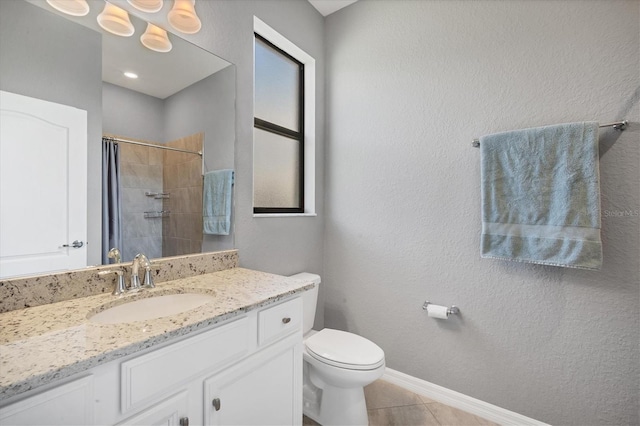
(115, 20)
(183, 17)
(70, 7)
(149, 6)
(130, 74)
(156, 39)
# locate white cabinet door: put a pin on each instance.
(43, 186)
(68, 404)
(166, 413)
(265, 389)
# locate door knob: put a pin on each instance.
(184, 421)
(75, 244)
(286, 320)
(216, 403)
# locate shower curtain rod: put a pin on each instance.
(618, 125)
(151, 145)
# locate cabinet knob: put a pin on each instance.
(216, 403)
(184, 421)
(286, 320)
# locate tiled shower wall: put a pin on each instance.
(140, 171)
(182, 179)
(145, 169)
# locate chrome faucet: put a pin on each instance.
(120, 286)
(148, 279)
(114, 253)
(140, 260)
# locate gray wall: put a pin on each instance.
(72, 77)
(207, 106)
(410, 84)
(132, 114)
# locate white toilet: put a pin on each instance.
(337, 367)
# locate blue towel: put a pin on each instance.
(216, 202)
(541, 196)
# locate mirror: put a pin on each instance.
(184, 98)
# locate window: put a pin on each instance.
(284, 126)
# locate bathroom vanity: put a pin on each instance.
(234, 360)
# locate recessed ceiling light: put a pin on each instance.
(130, 74)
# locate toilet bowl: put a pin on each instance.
(337, 365)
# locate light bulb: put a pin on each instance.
(155, 38)
(183, 17)
(115, 20)
(70, 7)
(149, 6)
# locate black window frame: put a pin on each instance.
(288, 133)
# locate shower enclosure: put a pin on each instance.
(152, 196)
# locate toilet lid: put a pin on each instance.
(344, 349)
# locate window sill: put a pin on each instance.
(284, 215)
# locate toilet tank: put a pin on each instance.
(309, 300)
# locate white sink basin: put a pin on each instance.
(151, 308)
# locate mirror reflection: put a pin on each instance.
(183, 98)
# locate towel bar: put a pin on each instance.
(157, 195)
(618, 125)
(162, 213)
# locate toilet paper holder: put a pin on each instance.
(453, 310)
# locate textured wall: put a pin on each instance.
(49, 60)
(410, 83)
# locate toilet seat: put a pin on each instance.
(344, 350)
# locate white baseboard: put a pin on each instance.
(458, 400)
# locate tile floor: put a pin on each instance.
(391, 405)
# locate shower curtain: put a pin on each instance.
(111, 210)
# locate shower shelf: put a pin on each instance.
(152, 215)
(158, 195)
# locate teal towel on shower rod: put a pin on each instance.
(216, 202)
(541, 196)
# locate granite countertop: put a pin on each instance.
(41, 344)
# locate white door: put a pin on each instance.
(43, 186)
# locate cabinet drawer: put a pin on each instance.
(280, 320)
(149, 376)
